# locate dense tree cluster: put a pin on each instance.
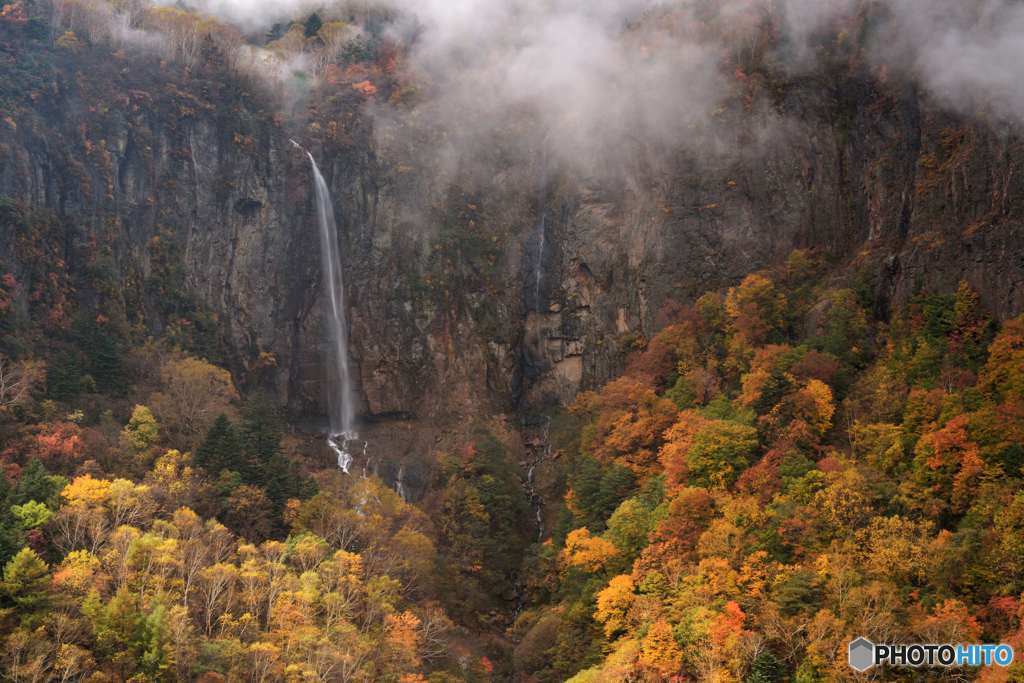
(157, 524)
(776, 474)
(141, 591)
(773, 474)
(125, 558)
(158, 521)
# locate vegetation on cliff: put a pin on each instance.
(774, 473)
(777, 473)
(786, 464)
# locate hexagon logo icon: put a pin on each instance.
(862, 654)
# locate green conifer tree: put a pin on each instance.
(26, 579)
(222, 448)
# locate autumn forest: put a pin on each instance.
(683, 340)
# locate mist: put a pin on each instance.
(575, 77)
(601, 83)
(967, 55)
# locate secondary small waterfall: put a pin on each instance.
(538, 266)
(339, 380)
(538, 274)
(400, 483)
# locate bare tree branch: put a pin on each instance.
(16, 382)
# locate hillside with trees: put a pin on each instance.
(686, 339)
(775, 474)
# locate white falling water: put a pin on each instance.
(339, 381)
(400, 483)
(538, 274)
(538, 271)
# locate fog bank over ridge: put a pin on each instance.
(603, 80)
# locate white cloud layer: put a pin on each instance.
(597, 79)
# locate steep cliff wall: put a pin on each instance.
(900, 194)
(469, 295)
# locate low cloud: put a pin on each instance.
(968, 55)
(590, 84)
(602, 81)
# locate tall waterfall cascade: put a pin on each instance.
(538, 274)
(341, 412)
(541, 234)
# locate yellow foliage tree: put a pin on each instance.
(613, 604)
(142, 431)
(402, 634)
(659, 652)
(76, 572)
(820, 403)
(194, 393)
(86, 491)
(896, 547)
(591, 553)
(755, 309)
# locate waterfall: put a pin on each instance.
(538, 274)
(339, 380)
(538, 269)
(538, 447)
(400, 483)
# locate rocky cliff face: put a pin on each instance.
(511, 293)
(541, 291)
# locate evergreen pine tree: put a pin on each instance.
(64, 377)
(585, 480)
(766, 668)
(103, 354)
(280, 479)
(11, 536)
(36, 483)
(313, 25)
(222, 448)
(261, 440)
(151, 642)
(26, 579)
